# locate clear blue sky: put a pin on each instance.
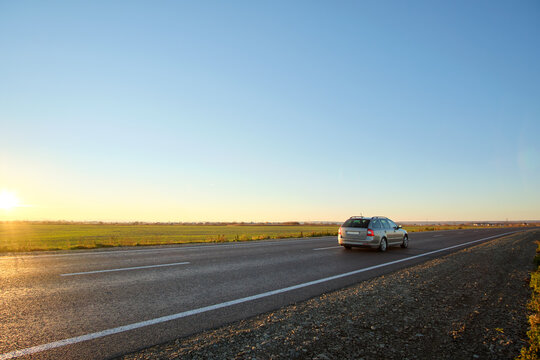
(270, 110)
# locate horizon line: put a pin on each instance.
(259, 222)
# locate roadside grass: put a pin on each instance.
(34, 236)
(23, 236)
(533, 349)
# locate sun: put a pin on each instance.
(8, 200)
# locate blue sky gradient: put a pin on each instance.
(270, 111)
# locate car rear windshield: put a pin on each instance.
(357, 223)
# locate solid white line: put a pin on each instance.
(326, 248)
(125, 269)
(100, 334)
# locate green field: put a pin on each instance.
(29, 236)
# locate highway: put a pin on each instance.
(105, 303)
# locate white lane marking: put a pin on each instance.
(326, 248)
(121, 252)
(125, 269)
(120, 329)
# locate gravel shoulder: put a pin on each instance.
(471, 304)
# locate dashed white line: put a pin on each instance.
(167, 248)
(327, 248)
(120, 329)
(124, 269)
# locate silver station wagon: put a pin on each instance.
(374, 232)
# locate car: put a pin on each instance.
(374, 232)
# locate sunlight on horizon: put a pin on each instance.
(8, 200)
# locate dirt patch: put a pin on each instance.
(467, 305)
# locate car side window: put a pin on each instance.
(376, 224)
(392, 224)
(385, 224)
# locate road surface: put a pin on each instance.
(105, 303)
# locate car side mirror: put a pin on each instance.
(399, 226)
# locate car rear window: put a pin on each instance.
(357, 223)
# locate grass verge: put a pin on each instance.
(25, 236)
(532, 350)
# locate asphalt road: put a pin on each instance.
(105, 303)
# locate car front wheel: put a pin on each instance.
(405, 243)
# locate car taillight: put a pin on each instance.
(339, 232)
(370, 232)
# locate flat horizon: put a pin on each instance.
(272, 222)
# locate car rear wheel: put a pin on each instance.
(383, 245)
(405, 243)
